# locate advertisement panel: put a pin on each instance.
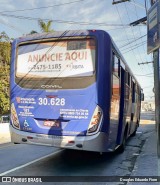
(56, 59)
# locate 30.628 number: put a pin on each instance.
(51, 101)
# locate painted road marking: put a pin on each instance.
(29, 163)
(138, 132)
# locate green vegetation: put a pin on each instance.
(5, 50)
(45, 27)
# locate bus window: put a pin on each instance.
(115, 97)
(133, 92)
(128, 79)
(76, 45)
(116, 65)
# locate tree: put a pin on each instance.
(33, 32)
(5, 50)
(45, 27)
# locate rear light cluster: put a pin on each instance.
(95, 121)
(14, 117)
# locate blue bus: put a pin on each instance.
(72, 90)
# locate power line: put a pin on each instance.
(126, 34)
(132, 49)
(132, 30)
(11, 26)
(63, 21)
(147, 75)
(137, 4)
(141, 33)
(124, 27)
(132, 41)
(43, 7)
(136, 47)
(142, 42)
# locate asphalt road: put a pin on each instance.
(31, 160)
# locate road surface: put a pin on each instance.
(31, 160)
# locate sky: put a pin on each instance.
(20, 17)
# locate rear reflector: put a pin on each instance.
(71, 142)
(29, 137)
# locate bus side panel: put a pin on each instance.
(104, 81)
(104, 70)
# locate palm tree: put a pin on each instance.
(45, 27)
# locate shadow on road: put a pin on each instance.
(80, 163)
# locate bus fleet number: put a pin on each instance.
(51, 101)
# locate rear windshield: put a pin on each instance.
(56, 59)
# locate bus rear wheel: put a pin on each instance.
(123, 144)
(134, 133)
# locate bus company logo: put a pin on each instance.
(18, 99)
(51, 123)
(51, 86)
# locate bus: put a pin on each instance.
(72, 90)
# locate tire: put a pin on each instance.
(134, 133)
(123, 144)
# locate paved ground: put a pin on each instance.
(140, 158)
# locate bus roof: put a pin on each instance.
(55, 34)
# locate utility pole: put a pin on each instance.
(153, 46)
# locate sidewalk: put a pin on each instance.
(4, 133)
(147, 163)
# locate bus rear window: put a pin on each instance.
(56, 59)
(76, 45)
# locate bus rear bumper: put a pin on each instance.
(97, 142)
